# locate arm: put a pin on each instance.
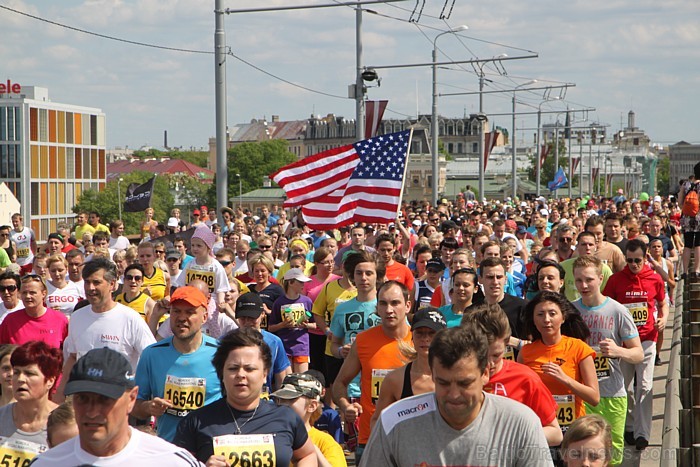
(279, 377)
(632, 352)
(338, 349)
(305, 456)
(351, 368)
(405, 238)
(148, 309)
(662, 316)
(388, 393)
(153, 408)
(553, 433)
(166, 276)
(59, 397)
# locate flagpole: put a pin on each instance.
(153, 190)
(405, 169)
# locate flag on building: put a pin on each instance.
(544, 152)
(360, 182)
(138, 197)
(374, 111)
(559, 181)
(490, 140)
(574, 164)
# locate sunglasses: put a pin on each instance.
(160, 252)
(634, 260)
(32, 277)
(8, 288)
(129, 277)
(225, 263)
(172, 260)
(264, 247)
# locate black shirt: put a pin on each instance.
(514, 308)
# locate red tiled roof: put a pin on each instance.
(159, 166)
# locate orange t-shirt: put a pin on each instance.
(378, 355)
(400, 273)
(568, 353)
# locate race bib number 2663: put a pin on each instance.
(246, 450)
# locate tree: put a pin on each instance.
(253, 161)
(663, 176)
(105, 201)
(548, 169)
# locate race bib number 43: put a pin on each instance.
(18, 452)
(185, 393)
(246, 450)
(566, 410)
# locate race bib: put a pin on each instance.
(602, 364)
(22, 253)
(265, 393)
(509, 354)
(377, 380)
(207, 276)
(185, 393)
(18, 452)
(294, 313)
(246, 450)
(639, 311)
(566, 410)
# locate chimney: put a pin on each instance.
(630, 120)
(275, 119)
(266, 182)
(165, 139)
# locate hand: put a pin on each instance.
(352, 411)
(555, 371)
(216, 461)
(610, 349)
(157, 406)
(345, 350)
(267, 310)
(660, 323)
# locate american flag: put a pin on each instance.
(373, 117)
(360, 182)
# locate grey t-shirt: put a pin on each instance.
(412, 432)
(611, 320)
(20, 445)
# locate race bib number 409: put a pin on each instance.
(640, 313)
(246, 450)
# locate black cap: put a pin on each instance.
(172, 254)
(448, 225)
(249, 305)
(435, 263)
(103, 371)
(429, 317)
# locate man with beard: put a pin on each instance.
(175, 375)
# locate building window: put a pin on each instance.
(34, 124)
(43, 125)
(35, 198)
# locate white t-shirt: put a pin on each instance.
(119, 243)
(4, 311)
(142, 449)
(213, 274)
(240, 267)
(65, 299)
(121, 329)
(80, 285)
(23, 239)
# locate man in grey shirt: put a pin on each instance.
(458, 424)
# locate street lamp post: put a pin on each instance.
(240, 192)
(434, 119)
(119, 196)
(538, 162)
(514, 144)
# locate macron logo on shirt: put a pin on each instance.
(407, 409)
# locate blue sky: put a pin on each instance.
(623, 55)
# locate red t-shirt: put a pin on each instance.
(19, 328)
(639, 293)
(399, 272)
(519, 383)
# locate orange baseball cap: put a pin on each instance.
(191, 295)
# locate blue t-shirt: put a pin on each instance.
(283, 426)
(280, 362)
(330, 422)
(452, 319)
(189, 381)
(349, 319)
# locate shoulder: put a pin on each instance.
(509, 409)
(63, 454)
(408, 410)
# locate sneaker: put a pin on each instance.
(629, 438)
(657, 361)
(641, 443)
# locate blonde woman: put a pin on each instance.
(148, 223)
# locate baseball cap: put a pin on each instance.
(521, 229)
(172, 254)
(102, 371)
(249, 305)
(204, 208)
(429, 317)
(196, 212)
(191, 295)
(172, 222)
(435, 263)
(299, 385)
(416, 223)
(544, 212)
(296, 273)
(448, 225)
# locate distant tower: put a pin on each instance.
(630, 120)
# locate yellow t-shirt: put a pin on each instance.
(329, 447)
(81, 229)
(328, 298)
(157, 284)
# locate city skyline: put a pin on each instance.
(622, 56)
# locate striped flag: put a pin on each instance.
(374, 111)
(574, 164)
(490, 140)
(360, 182)
(544, 153)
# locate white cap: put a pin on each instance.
(417, 223)
(544, 212)
(657, 199)
(296, 273)
(172, 222)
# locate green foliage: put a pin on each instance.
(253, 161)
(548, 169)
(663, 176)
(198, 158)
(105, 201)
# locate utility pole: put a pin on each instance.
(220, 98)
